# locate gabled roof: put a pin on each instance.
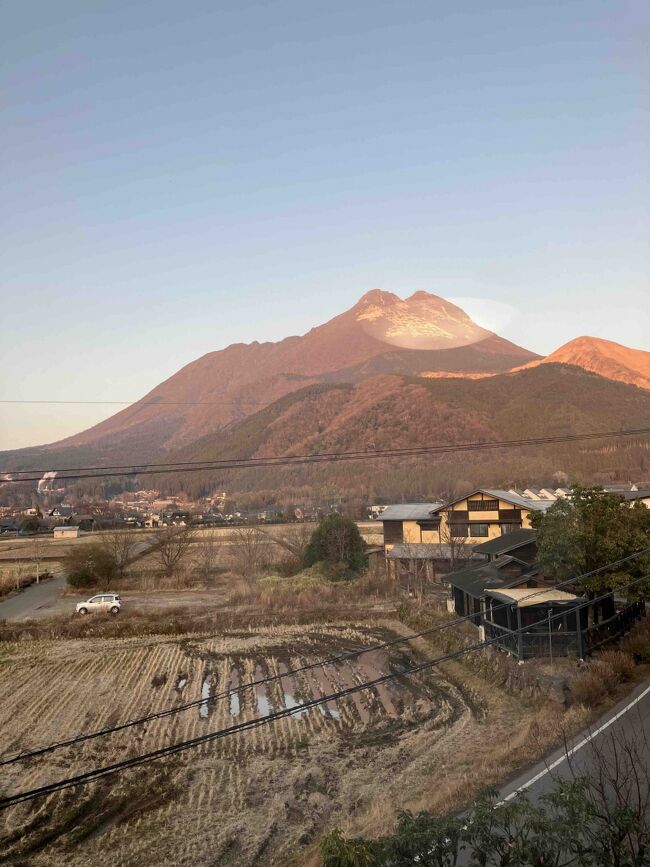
(508, 496)
(478, 579)
(409, 512)
(516, 500)
(509, 542)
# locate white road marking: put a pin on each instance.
(574, 749)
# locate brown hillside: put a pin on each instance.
(381, 334)
(393, 411)
(608, 359)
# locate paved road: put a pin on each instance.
(33, 601)
(39, 600)
(628, 722)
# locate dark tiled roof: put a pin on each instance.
(409, 512)
(507, 542)
(415, 551)
(478, 579)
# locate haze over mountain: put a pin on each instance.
(381, 333)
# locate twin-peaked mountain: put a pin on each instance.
(409, 365)
(381, 334)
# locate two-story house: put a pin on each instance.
(443, 534)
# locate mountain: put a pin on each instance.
(396, 411)
(381, 334)
(609, 359)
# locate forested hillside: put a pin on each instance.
(394, 411)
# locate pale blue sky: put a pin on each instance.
(179, 176)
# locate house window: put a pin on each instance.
(393, 532)
(510, 528)
(478, 529)
(457, 530)
(429, 525)
(483, 505)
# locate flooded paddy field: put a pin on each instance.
(257, 796)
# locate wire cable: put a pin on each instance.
(38, 751)
(290, 460)
(162, 752)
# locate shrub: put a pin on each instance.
(621, 663)
(337, 543)
(81, 579)
(601, 676)
(90, 565)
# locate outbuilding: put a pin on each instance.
(66, 532)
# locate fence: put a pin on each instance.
(610, 630)
(526, 645)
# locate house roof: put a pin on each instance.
(409, 512)
(64, 511)
(509, 542)
(641, 494)
(416, 551)
(525, 596)
(477, 580)
(508, 496)
(524, 502)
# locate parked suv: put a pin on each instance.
(103, 602)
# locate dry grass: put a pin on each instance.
(310, 590)
(601, 676)
(268, 792)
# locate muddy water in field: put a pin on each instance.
(359, 699)
(263, 704)
(321, 687)
(234, 697)
(288, 688)
(206, 689)
(373, 665)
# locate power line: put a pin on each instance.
(318, 457)
(138, 401)
(162, 752)
(24, 755)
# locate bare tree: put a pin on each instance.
(452, 544)
(19, 573)
(172, 549)
(418, 570)
(617, 792)
(119, 544)
(293, 539)
(37, 554)
(250, 549)
(207, 549)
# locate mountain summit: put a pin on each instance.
(380, 334)
(608, 359)
(422, 321)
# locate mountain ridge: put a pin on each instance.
(604, 357)
(393, 411)
(225, 386)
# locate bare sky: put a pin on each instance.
(177, 177)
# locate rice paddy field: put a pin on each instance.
(257, 797)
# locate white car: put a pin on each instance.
(103, 602)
